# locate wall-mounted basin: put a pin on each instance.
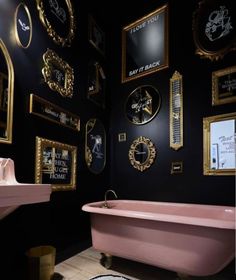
(14, 194)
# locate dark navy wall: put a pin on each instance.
(157, 183)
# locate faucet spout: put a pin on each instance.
(105, 204)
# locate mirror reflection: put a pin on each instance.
(219, 144)
(6, 94)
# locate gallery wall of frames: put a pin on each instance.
(173, 102)
(52, 104)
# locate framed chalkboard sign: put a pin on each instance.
(214, 28)
(58, 18)
(55, 164)
(224, 86)
(145, 45)
(23, 26)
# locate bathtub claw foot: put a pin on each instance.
(106, 260)
(182, 276)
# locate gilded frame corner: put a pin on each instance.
(150, 157)
(50, 58)
(51, 32)
(49, 168)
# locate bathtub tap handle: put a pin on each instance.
(105, 204)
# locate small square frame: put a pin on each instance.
(176, 167)
(122, 137)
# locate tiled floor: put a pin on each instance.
(86, 265)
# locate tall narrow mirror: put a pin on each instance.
(6, 95)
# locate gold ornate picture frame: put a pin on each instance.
(23, 26)
(58, 74)
(55, 164)
(224, 86)
(142, 153)
(58, 18)
(219, 147)
(49, 111)
(139, 56)
(176, 111)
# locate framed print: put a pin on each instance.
(142, 153)
(214, 31)
(96, 36)
(122, 137)
(224, 86)
(176, 167)
(57, 16)
(23, 26)
(219, 144)
(145, 45)
(142, 104)
(96, 83)
(44, 109)
(58, 74)
(176, 111)
(95, 146)
(55, 164)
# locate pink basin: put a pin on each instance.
(192, 239)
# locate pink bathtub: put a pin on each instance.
(190, 239)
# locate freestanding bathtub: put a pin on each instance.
(190, 239)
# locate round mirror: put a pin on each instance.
(6, 94)
(23, 26)
(142, 104)
(95, 146)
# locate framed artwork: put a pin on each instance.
(96, 36)
(57, 16)
(224, 86)
(58, 74)
(176, 167)
(219, 144)
(96, 83)
(95, 146)
(145, 45)
(122, 137)
(44, 109)
(55, 164)
(176, 111)
(23, 26)
(142, 104)
(142, 153)
(214, 29)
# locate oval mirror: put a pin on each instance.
(142, 104)
(95, 146)
(6, 95)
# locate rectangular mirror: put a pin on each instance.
(219, 144)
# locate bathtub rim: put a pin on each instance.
(95, 208)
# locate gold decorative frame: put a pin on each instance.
(159, 63)
(176, 167)
(55, 165)
(18, 40)
(176, 111)
(216, 19)
(227, 96)
(47, 110)
(214, 153)
(8, 134)
(51, 59)
(51, 32)
(150, 156)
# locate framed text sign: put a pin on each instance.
(145, 45)
(224, 86)
(214, 28)
(55, 164)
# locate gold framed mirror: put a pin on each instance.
(57, 16)
(6, 95)
(142, 153)
(219, 144)
(58, 74)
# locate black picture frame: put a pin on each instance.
(96, 35)
(214, 31)
(145, 45)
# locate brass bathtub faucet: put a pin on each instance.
(105, 204)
